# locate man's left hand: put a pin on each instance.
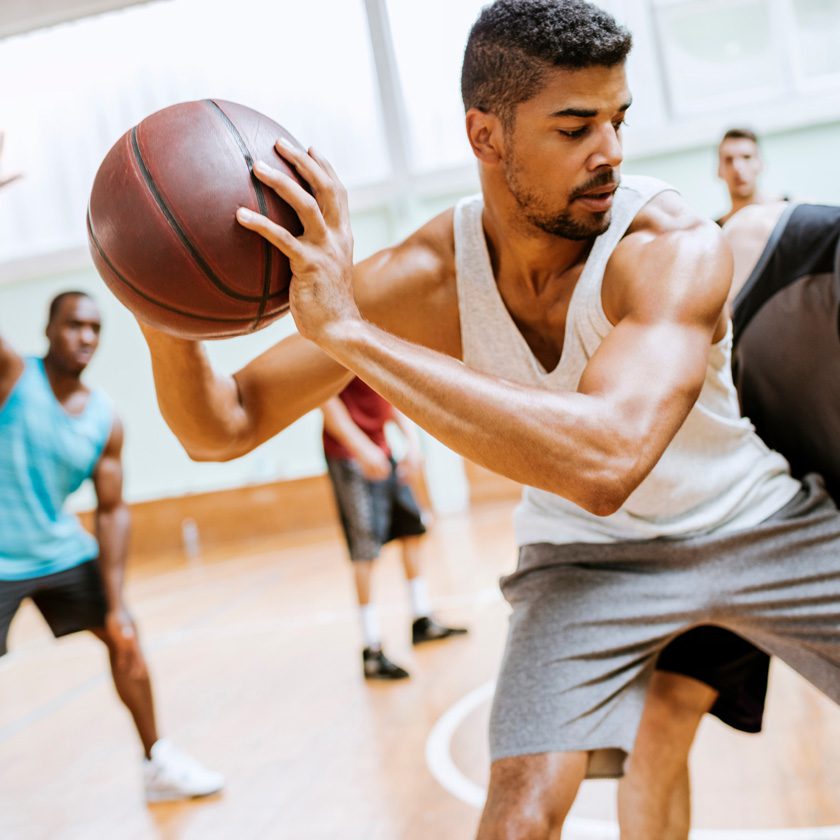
(321, 258)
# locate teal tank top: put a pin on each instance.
(45, 454)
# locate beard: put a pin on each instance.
(559, 223)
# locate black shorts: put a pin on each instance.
(372, 512)
(70, 601)
(723, 660)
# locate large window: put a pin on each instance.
(719, 55)
(817, 41)
(429, 39)
(70, 91)
(375, 85)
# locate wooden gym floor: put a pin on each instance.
(255, 657)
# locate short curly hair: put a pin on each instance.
(55, 303)
(513, 43)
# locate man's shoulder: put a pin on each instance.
(669, 253)
(667, 225)
(431, 248)
(667, 212)
(410, 289)
(422, 262)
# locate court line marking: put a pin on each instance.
(449, 776)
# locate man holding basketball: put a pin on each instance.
(566, 328)
(56, 434)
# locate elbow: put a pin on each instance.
(601, 493)
(206, 455)
(604, 498)
(609, 487)
(226, 448)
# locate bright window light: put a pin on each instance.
(429, 41)
(70, 91)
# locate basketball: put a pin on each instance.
(162, 228)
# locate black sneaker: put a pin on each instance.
(377, 666)
(426, 629)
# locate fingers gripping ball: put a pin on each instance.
(162, 221)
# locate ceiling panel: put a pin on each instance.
(18, 16)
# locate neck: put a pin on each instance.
(62, 381)
(739, 202)
(522, 252)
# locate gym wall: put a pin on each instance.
(391, 124)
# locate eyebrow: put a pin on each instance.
(587, 113)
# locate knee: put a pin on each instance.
(529, 797)
(521, 821)
(124, 662)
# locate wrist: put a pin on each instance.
(115, 605)
(340, 336)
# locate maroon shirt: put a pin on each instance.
(369, 412)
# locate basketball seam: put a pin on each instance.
(155, 301)
(261, 201)
(178, 230)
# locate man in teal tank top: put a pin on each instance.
(55, 433)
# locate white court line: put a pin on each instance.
(449, 776)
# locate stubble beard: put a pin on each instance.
(561, 224)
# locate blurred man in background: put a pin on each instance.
(740, 166)
(56, 433)
(376, 506)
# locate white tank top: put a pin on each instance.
(715, 476)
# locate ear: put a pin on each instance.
(486, 136)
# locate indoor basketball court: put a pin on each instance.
(309, 748)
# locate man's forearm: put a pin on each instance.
(339, 424)
(201, 407)
(566, 443)
(112, 532)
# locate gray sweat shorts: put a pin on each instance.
(589, 621)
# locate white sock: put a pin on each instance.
(419, 594)
(370, 626)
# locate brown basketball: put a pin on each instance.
(162, 227)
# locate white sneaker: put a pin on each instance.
(172, 774)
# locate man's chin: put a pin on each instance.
(577, 226)
(591, 225)
(601, 222)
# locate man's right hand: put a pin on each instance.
(375, 464)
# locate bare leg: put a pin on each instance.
(411, 557)
(679, 811)
(135, 690)
(653, 797)
(530, 795)
(363, 571)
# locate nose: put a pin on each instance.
(609, 151)
(88, 335)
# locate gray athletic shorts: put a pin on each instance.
(589, 621)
